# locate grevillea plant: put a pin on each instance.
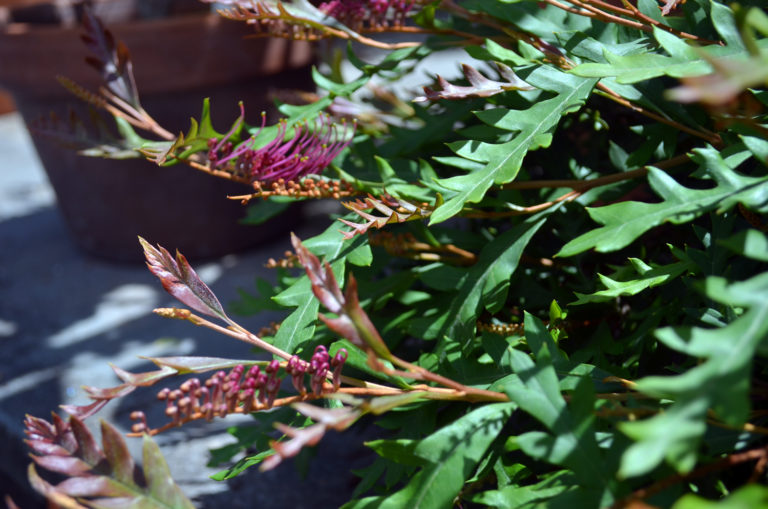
(549, 286)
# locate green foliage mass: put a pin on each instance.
(618, 288)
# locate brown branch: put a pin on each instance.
(572, 10)
(708, 136)
(569, 196)
(748, 427)
(206, 168)
(579, 188)
(759, 454)
(406, 246)
(610, 18)
(582, 185)
(635, 12)
(592, 9)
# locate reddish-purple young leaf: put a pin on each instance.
(102, 396)
(333, 418)
(58, 432)
(117, 454)
(395, 211)
(180, 280)
(63, 464)
(362, 322)
(88, 449)
(353, 323)
(46, 448)
(85, 411)
(336, 418)
(56, 498)
(111, 58)
(184, 365)
(480, 86)
(344, 327)
(9, 503)
(93, 486)
(144, 379)
(324, 284)
(108, 479)
(308, 436)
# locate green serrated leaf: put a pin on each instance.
(572, 440)
(647, 64)
(338, 89)
(503, 160)
(451, 454)
(486, 283)
(624, 222)
(648, 278)
(721, 383)
(673, 435)
(750, 243)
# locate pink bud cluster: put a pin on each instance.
(318, 367)
(308, 152)
(243, 390)
(372, 14)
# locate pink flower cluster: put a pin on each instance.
(250, 390)
(317, 368)
(222, 393)
(308, 152)
(373, 14)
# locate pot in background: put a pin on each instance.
(177, 63)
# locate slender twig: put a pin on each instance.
(569, 196)
(216, 173)
(635, 12)
(418, 373)
(731, 460)
(600, 181)
(610, 18)
(710, 137)
(564, 63)
(149, 123)
(748, 427)
(244, 335)
(573, 10)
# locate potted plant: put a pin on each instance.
(550, 288)
(187, 56)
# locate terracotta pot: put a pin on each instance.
(177, 63)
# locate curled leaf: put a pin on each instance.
(352, 322)
(111, 58)
(298, 19)
(180, 280)
(97, 477)
(101, 397)
(669, 5)
(337, 419)
(480, 86)
(324, 284)
(394, 210)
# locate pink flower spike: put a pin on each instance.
(309, 151)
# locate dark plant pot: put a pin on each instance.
(177, 62)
